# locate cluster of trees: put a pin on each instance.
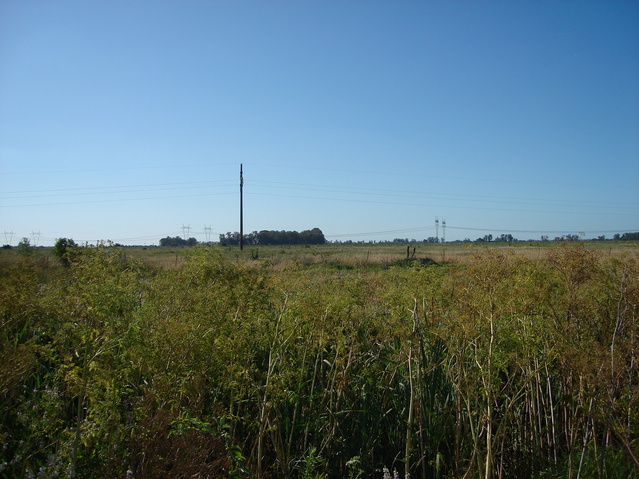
(506, 238)
(272, 237)
(499, 367)
(626, 236)
(177, 241)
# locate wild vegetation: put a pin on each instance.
(499, 365)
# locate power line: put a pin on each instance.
(397, 173)
(369, 193)
(180, 166)
(463, 228)
(153, 186)
(298, 166)
(372, 233)
(432, 205)
(448, 196)
(115, 200)
(305, 187)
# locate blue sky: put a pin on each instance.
(127, 120)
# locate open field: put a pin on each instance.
(358, 255)
(353, 255)
(498, 361)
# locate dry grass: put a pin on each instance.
(360, 255)
(363, 255)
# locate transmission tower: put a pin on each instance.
(443, 230)
(207, 233)
(186, 231)
(36, 237)
(8, 237)
(437, 228)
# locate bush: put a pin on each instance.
(64, 249)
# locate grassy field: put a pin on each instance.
(370, 255)
(510, 361)
(354, 255)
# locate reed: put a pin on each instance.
(503, 365)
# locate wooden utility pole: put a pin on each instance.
(241, 209)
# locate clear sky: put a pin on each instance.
(127, 120)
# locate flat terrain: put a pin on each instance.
(321, 361)
(350, 255)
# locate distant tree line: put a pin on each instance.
(315, 236)
(627, 236)
(566, 237)
(273, 237)
(505, 238)
(177, 241)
